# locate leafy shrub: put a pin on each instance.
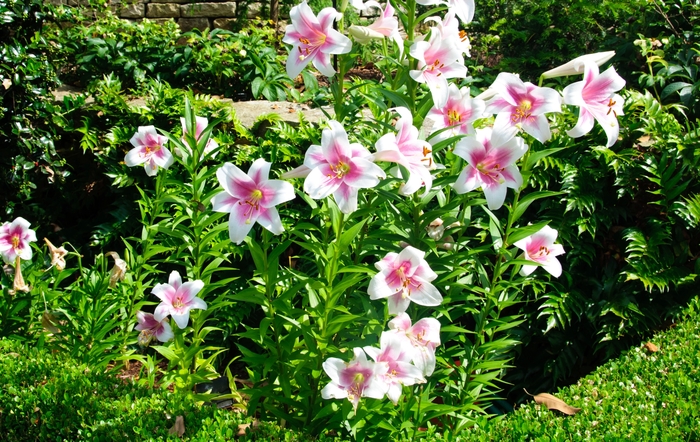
(29, 158)
(628, 220)
(530, 37)
(51, 397)
(133, 51)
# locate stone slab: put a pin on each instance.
(210, 10)
(224, 23)
(163, 10)
(137, 10)
(187, 24)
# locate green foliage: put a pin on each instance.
(49, 396)
(642, 395)
(132, 51)
(627, 220)
(29, 158)
(530, 37)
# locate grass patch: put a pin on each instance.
(643, 395)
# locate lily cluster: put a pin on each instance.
(407, 351)
(405, 357)
(177, 299)
(340, 168)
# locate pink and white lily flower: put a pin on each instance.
(177, 299)
(149, 327)
(337, 167)
(14, 240)
(596, 97)
(491, 166)
(522, 105)
(355, 379)
(464, 9)
(407, 150)
(201, 123)
(395, 354)
(402, 278)
(251, 198)
(449, 28)
(149, 150)
(424, 337)
(459, 113)
(385, 26)
(540, 248)
(438, 60)
(313, 39)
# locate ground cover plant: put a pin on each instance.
(648, 393)
(361, 276)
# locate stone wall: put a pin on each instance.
(189, 14)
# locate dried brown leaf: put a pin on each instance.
(554, 403)
(651, 347)
(179, 427)
(243, 427)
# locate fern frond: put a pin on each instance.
(689, 210)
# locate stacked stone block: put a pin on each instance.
(189, 14)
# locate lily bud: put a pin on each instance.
(575, 66)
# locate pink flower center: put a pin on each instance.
(436, 65)
(522, 112)
(253, 204)
(407, 284)
(339, 170)
(150, 150)
(454, 117)
(355, 389)
(540, 253)
(491, 172)
(15, 242)
(177, 303)
(306, 47)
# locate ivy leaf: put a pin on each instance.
(554, 403)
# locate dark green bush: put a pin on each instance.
(29, 159)
(529, 37)
(132, 51)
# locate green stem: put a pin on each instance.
(272, 316)
(417, 415)
(147, 242)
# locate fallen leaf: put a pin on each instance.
(645, 141)
(553, 403)
(652, 348)
(243, 427)
(179, 427)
